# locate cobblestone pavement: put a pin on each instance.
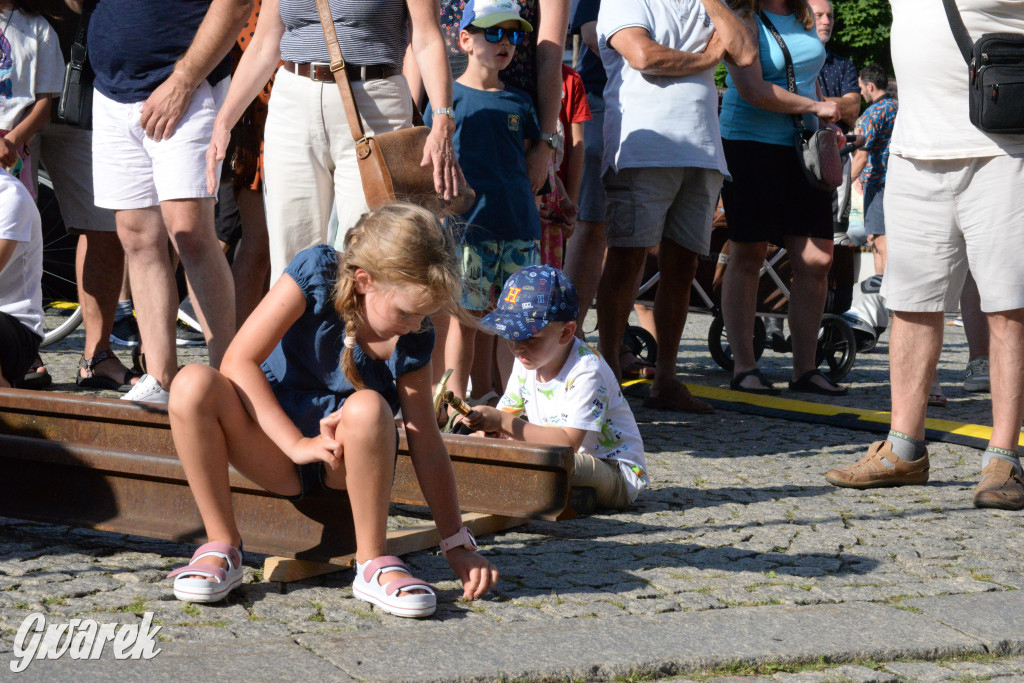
(740, 523)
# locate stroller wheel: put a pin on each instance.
(837, 347)
(718, 344)
(640, 343)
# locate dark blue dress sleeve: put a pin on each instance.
(413, 351)
(314, 268)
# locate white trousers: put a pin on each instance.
(310, 162)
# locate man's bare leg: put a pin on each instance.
(252, 255)
(615, 295)
(677, 266)
(154, 292)
(190, 227)
(99, 270)
(584, 257)
(1006, 334)
(915, 341)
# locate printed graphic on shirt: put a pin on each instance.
(584, 396)
(513, 122)
(6, 68)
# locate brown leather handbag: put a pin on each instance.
(389, 163)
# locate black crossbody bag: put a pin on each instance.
(816, 150)
(75, 105)
(996, 75)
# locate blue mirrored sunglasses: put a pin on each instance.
(494, 34)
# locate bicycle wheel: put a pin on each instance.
(62, 314)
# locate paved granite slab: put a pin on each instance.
(664, 644)
(996, 619)
(274, 660)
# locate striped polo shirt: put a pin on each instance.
(369, 32)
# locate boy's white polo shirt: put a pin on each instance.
(584, 395)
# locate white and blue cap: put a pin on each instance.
(533, 297)
(488, 13)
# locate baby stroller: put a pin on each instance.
(837, 344)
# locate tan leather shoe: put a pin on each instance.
(1000, 487)
(880, 467)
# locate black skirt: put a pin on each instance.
(769, 198)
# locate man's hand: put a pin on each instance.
(476, 573)
(484, 419)
(165, 108)
(439, 152)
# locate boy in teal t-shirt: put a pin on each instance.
(494, 127)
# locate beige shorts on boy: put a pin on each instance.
(645, 205)
(605, 477)
(944, 217)
(132, 171)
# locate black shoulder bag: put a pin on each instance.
(816, 151)
(996, 75)
(75, 106)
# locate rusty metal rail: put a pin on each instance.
(111, 465)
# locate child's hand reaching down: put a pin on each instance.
(476, 573)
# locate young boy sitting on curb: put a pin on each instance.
(567, 392)
(495, 125)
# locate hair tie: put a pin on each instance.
(350, 341)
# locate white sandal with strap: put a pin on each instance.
(191, 587)
(367, 587)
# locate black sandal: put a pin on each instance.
(766, 388)
(36, 378)
(94, 381)
(805, 385)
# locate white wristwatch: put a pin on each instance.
(463, 537)
(445, 111)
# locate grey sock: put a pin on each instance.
(905, 446)
(123, 310)
(1003, 454)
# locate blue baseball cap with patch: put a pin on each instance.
(488, 13)
(533, 297)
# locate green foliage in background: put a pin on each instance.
(862, 31)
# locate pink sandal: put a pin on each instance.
(191, 587)
(367, 587)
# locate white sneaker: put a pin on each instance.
(976, 375)
(148, 390)
(187, 314)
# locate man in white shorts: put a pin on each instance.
(152, 122)
(953, 202)
(663, 164)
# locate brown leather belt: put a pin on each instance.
(356, 72)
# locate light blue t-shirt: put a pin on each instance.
(742, 120)
(659, 121)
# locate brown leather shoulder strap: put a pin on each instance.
(355, 124)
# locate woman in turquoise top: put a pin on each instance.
(768, 199)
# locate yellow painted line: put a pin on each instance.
(796, 407)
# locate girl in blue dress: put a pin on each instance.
(306, 396)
